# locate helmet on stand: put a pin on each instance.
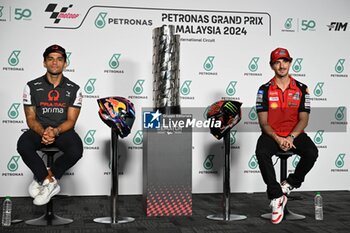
(227, 112)
(118, 113)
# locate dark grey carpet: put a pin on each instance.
(84, 209)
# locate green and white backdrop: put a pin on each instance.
(224, 54)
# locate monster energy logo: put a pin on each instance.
(229, 106)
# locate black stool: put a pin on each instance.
(288, 215)
(49, 218)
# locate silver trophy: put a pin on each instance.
(166, 56)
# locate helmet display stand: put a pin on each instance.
(114, 218)
(226, 213)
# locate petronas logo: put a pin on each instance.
(13, 59)
(208, 162)
(253, 65)
(231, 88)
(114, 61)
(208, 63)
(138, 138)
(185, 88)
(12, 165)
(100, 21)
(89, 138)
(339, 162)
(89, 87)
(253, 162)
(13, 111)
(297, 65)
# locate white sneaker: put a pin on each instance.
(49, 189)
(34, 188)
(286, 188)
(278, 205)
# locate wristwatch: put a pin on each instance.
(292, 136)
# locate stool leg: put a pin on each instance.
(288, 215)
(49, 218)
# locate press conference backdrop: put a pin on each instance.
(224, 54)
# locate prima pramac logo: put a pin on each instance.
(100, 21)
(208, 63)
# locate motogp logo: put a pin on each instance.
(61, 14)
